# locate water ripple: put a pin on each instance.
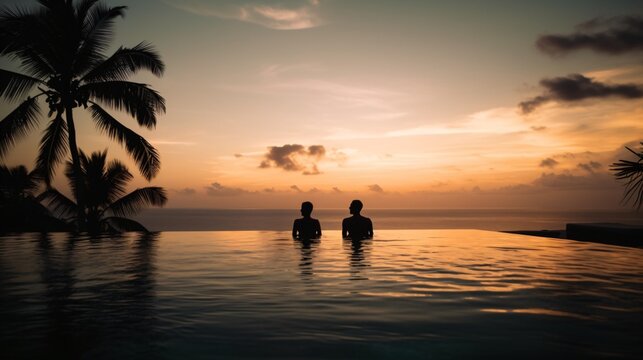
(404, 294)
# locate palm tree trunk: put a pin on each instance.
(75, 160)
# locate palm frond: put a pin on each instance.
(53, 147)
(32, 37)
(14, 85)
(133, 202)
(34, 63)
(18, 124)
(13, 23)
(96, 33)
(17, 181)
(121, 224)
(145, 155)
(138, 100)
(117, 175)
(58, 203)
(639, 155)
(632, 173)
(83, 7)
(126, 62)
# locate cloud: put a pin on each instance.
(548, 162)
(501, 120)
(611, 36)
(539, 128)
(272, 14)
(375, 188)
(567, 181)
(185, 191)
(362, 102)
(576, 87)
(238, 155)
(313, 171)
(296, 188)
(337, 190)
(590, 167)
(344, 95)
(171, 142)
(216, 189)
(280, 70)
(294, 157)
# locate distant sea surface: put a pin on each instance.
(280, 219)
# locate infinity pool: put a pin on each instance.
(429, 294)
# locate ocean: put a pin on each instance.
(282, 219)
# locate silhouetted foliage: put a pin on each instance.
(20, 209)
(103, 186)
(60, 49)
(632, 173)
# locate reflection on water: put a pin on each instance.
(82, 297)
(358, 257)
(307, 248)
(422, 294)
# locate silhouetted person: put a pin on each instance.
(357, 227)
(306, 228)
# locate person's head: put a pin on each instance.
(306, 208)
(356, 207)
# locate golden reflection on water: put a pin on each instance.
(410, 263)
(537, 311)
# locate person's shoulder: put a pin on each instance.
(298, 221)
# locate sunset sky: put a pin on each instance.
(404, 104)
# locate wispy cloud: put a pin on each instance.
(217, 189)
(492, 121)
(296, 188)
(185, 191)
(312, 86)
(375, 188)
(276, 70)
(343, 94)
(278, 15)
(590, 167)
(549, 163)
(171, 142)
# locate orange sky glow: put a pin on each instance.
(405, 104)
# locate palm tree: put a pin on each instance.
(20, 209)
(102, 185)
(632, 173)
(60, 49)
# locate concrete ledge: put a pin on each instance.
(609, 233)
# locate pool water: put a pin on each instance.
(407, 294)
